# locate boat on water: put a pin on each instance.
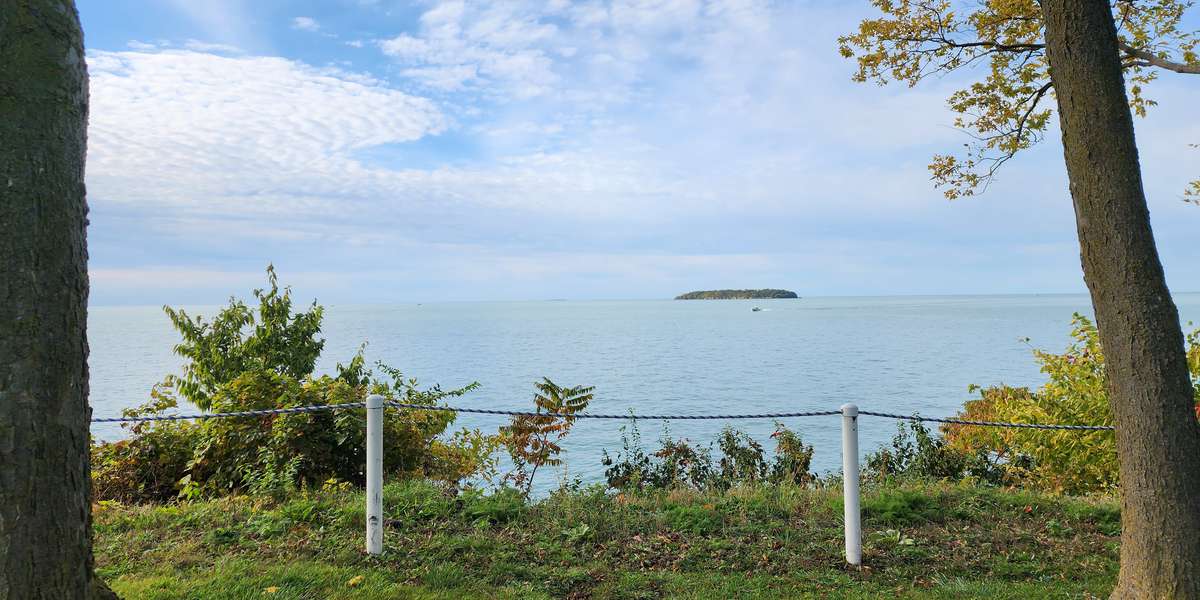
(756, 309)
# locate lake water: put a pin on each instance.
(898, 354)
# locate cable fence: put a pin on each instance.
(610, 416)
(628, 416)
(376, 404)
(953, 421)
(240, 413)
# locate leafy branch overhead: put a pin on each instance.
(1007, 109)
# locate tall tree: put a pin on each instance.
(1080, 52)
(45, 512)
(1158, 437)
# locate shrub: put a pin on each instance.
(917, 453)
(793, 459)
(235, 342)
(150, 463)
(680, 465)
(1058, 460)
(275, 453)
(742, 459)
(278, 452)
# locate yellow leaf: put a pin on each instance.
(355, 581)
(271, 590)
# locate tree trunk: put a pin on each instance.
(45, 512)
(1158, 438)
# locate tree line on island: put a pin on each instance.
(736, 295)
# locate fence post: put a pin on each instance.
(375, 475)
(853, 515)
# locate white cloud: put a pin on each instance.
(705, 133)
(499, 42)
(264, 137)
(696, 108)
(405, 47)
(237, 134)
(200, 46)
(306, 24)
(445, 78)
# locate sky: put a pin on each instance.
(382, 151)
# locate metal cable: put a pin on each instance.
(243, 413)
(525, 413)
(987, 423)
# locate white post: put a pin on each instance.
(850, 474)
(374, 475)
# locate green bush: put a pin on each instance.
(235, 342)
(915, 452)
(1065, 461)
(150, 463)
(278, 452)
(793, 459)
(680, 465)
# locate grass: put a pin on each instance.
(922, 540)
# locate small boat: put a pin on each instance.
(756, 309)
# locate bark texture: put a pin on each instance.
(1158, 438)
(45, 513)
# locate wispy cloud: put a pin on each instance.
(238, 134)
(200, 46)
(634, 144)
(306, 24)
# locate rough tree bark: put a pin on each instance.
(1158, 439)
(45, 513)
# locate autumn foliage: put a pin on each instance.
(533, 440)
(1058, 460)
(1006, 108)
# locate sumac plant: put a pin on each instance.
(238, 341)
(533, 440)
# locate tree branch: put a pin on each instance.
(1161, 63)
(976, 44)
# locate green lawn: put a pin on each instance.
(938, 540)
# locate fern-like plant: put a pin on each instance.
(533, 440)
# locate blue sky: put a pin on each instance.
(381, 151)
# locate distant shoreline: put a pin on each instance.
(763, 294)
(211, 304)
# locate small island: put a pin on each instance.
(736, 295)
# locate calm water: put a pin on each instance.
(902, 354)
